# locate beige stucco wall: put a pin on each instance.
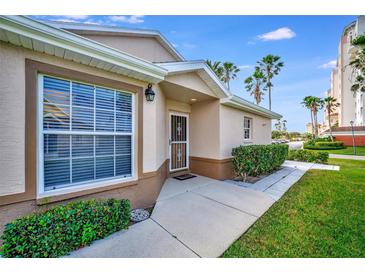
(204, 129)
(192, 81)
(12, 112)
(161, 142)
(172, 105)
(143, 47)
(231, 130)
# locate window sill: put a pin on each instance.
(82, 190)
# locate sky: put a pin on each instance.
(307, 45)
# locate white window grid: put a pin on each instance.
(94, 133)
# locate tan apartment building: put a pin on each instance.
(351, 104)
(309, 128)
(90, 111)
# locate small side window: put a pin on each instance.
(247, 128)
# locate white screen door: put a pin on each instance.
(179, 146)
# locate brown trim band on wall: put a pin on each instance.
(32, 68)
(213, 168)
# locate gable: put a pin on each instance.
(147, 48)
(192, 81)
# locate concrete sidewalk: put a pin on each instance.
(279, 182)
(348, 157)
(198, 217)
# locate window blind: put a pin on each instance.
(87, 133)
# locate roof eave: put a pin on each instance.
(239, 103)
(33, 29)
(89, 28)
(198, 65)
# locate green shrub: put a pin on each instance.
(309, 143)
(323, 145)
(253, 160)
(329, 144)
(64, 228)
(323, 139)
(304, 155)
(322, 148)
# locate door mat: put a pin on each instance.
(184, 177)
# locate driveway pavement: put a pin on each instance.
(199, 217)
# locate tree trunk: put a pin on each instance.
(228, 84)
(315, 124)
(329, 122)
(257, 94)
(270, 97)
(312, 121)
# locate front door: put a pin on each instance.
(179, 144)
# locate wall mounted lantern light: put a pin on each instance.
(149, 93)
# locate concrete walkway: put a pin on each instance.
(276, 184)
(349, 157)
(199, 217)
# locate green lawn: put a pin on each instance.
(323, 215)
(348, 151)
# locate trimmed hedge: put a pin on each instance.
(330, 144)
(254, 160)
(322, 148)
(324, 145)
(304, 155)
(323, 139)
(64, 228)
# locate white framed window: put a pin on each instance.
(86, 134)
(247, 128)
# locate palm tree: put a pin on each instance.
(330, 103)
(284, 124)
(216, 67)
(271, 66)
(254, 84)
(229, 72)
(314, 104)
(278, 125)
(317, 104)
(307, 104)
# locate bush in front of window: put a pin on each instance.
(64, 228)
(254, 160)
(304, 155)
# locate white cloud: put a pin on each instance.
(278, 34)
(76, 17)
(189, 45)
(244, 67)
(329, 65)
(93, 22)
(65, 20)
(133, 19)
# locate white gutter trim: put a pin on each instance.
(33, 29)
(188, 66)
(113, 29)
(238, 102)
(346, 133)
